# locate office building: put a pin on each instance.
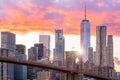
(85, 37)
(20, 71)
(31, 71)
(21, 49)
(101, 57)
(110, 51)
(45, 39)
(7, 41)
(35, 53)
(7, 49)
(40, 51)
(59, 47)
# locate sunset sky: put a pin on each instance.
(29, 18)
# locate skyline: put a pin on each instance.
(22, 17)
(70, 41)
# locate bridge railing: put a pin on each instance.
(72, 74)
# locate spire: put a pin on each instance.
(85, 11)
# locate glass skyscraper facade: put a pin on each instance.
(20, 71)
(85, 38)
(59, 47)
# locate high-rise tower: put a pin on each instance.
(85, 37)
(7, 49)
(110, 51)
(20, 71)
(59, 47)
(101, 59)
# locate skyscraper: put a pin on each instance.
(45, 39)
(20, 71)
(32, 56)
(110, 51)
(7, 49)
(59, 47)
(101, 57)
(7, 41)
(85, 37)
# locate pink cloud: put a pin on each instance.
(39, 16)
(101, 4)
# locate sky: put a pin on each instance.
(28, 18)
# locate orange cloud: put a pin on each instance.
(30, 17)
